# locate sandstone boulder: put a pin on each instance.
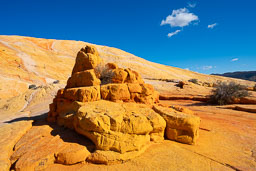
(83, 79)
(10, 135)
(133, 77)
(115, 92)
(82, 94)
(44, 145)
(118, 127)
(180, 127)
(87, 58)
(119, 75)
(112, 65)
(72, 154)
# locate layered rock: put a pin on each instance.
(43, 145)
(113, 108)
(10, 135)
(180, 127)
(84, 85)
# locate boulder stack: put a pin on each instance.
(116, 110)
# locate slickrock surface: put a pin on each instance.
(9, 136)
(27, 60)
(46, 144)
(227, 135)
(227, 142)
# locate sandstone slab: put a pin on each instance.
(82, 94)
(115, 92)
(44, 145)
(83, 79)
(180, 127)
(10, 135)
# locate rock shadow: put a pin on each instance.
(66, 134)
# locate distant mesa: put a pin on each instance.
(245, 75)
(117, 111)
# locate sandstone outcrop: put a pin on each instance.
(40, 147)
(113, 108)
(180, 127)
(10, 135)
(84, 85)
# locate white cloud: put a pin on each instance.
(173, 33)
(191, 5)
(180, 18)
(207, 67)
(187, 69)
(235, 59)
(211, 26)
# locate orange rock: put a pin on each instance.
(134, 88)
(119, 127)
(82, 94)
(133, 77)
(182, 109)
(72, 154)
(83, 79)
(115, 92)
(87, 58)
(41, 147)
(112, 65)
(180, 127)
(119, 75)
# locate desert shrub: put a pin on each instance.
(193, 80)
(104, 73)
(226, 93)
(56, 82)
(32, 86)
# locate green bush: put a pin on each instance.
(226, 93)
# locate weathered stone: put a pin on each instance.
(72, 154)
(10, 135)
(87, 58)
(133, 77)
(112, 157)
(44, 145)
(83, 79)
(118, 127)
(112, 65)
(82, 94)
(134, 88)
(182, 109)
(143, 93)
(115, 92)
(180, 127)
(119, 75)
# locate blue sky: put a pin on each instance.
(212, 36)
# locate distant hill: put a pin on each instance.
(245, 75)
(26, 60)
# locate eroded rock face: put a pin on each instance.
(117, 116)
(180, 127)
(119, 127)
(83, 79)
(87, 58)
(85, 86)
(10, 135)
(43, 145)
